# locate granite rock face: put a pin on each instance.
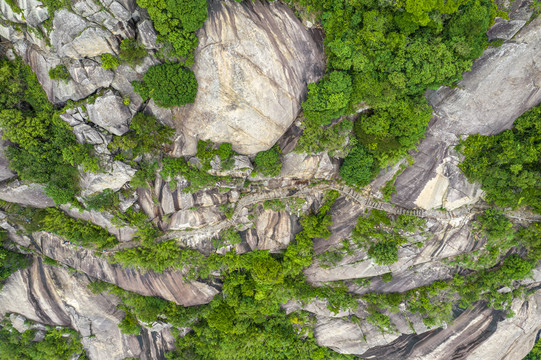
(54, 296)
(502, 85)
(168, 285)
(252, 64)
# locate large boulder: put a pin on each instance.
(252, 64)
(55, 296)
(502, 85)
(75, 37)
(110, 112)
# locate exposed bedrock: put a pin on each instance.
(478, 333)
(502, 85)
(55, 296)
(252, 64)
(168, 285)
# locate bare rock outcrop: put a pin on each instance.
(252, 64)
(502, 85)
(54, 296)
(168, 285)
(478, 333)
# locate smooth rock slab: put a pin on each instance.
(503, 84)
(109, 112)
(252, 65)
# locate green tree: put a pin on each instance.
(168, 85)
(358, 168)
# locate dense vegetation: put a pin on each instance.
(45, 149)
(10, 261)
(176, 22)
(168, 85)
(146, 136)
(246, 321)
(58, 344)
(508, 165)
(385, 54)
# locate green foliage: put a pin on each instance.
(231, 236)
(328, 99)
(168, 85)
(145, 174)
(246, 321)
(381, 321)
(109, 62)
(268, 162)
(106, 200)
(274, 205)
(508, 164)
(146, 135)
(58, 344)
(130, 52)
(45, 149)
(78, 231)
(176, 21)
(384, 253)
(59, 72)
(11, 261)
(335, 139)
(179, 167)
(129, 324)
(207, 151)
(381, 236)
(358, 168)
(385, 55)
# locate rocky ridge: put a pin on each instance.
(54, 295)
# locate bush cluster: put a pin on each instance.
(168, 85)
(385, 55)
(44, 149)
(507, 164)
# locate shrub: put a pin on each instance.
(146, 135)
(130, 52)
(384, 253)
(358, 168)
(45, 149)
(168, 85)
(59, 72)
(507, 164)
(109, 62)
(328, 99)
(268, 162)
(58, 344)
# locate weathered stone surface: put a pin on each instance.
(191, 219)
(166, 199)
(478, 333)
(241, 167)
(147, 202)
(86, 75)
(114, 179)
(109, 112)
(54, 296)
(502, 85)
(25, 194)
(74, 37)
(87, 134)
(273, 230)
(5, 172)
(147, 34)
(505, 29)
(302, 166)
(252, 64)
(168, 285)
(103, 219)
